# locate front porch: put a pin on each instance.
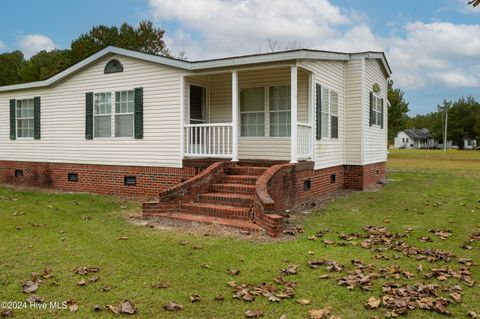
(262, 113)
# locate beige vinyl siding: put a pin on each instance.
(353, 112)
(375, 149)
(330, 152)
(63, 118)
(275, 148)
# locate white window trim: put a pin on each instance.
(328, 138)
(24, 118)
(127, 113)
(266, 112)
(377, 108)
(112, 115)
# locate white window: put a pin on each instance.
(124, 113)
(25, 118)
(376, 110)
(113, 122)
(329, 113)
(102, 103)
(252, 112)
(280, 111)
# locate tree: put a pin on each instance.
(463, 116)
(474, 2)
(145, 38)
(397, 112)
(10, 63)
(44, 64)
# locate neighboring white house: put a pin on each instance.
(470, 144)
(414, 138)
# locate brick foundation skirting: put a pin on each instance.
(362, 177)
(100, 179)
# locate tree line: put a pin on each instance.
(463, 118)
(145, 37)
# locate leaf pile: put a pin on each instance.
(274, 293)
(398, 299)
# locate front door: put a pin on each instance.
(197, 111)
(198, 98)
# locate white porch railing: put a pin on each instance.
(208, 140)
(304, 141)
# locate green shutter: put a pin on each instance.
(372, 115)
(318, 105)
(36, 117)
(381, 120)
(139, 113)
(89, 115)
(13, 122)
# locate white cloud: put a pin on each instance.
(2, 45)
(218, 28)
(437, 53)
(421, 54)
(30, 44)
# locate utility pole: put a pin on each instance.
(445, 133)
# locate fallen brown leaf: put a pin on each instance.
(372, 303)
(254, 313)
(29, 286)
(303, 302)
(195, 298)
(173, 306)
(35, 298)
(127, 307)
(320, 313)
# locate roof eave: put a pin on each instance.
(301, 54)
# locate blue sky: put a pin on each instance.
(432, 45)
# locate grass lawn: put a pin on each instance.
(63, 231)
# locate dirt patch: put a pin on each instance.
(200, 229)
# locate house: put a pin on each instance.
(229, 141)
(414, 138)
(469, 143)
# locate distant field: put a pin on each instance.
(434, 160)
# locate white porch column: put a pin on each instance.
(311, 113)
(293, 123)
(182, 118)
(234, 116)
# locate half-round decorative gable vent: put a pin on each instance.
(113, 66)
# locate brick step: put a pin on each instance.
(242, 200)
(217, 210)
(233, 188)
(225, 222)
(239, 179)
(210, 209)
(246, 170)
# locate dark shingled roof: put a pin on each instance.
(415, 134)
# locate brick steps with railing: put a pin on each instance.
(227, 200)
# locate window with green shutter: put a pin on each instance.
(25, 118)
(376, 110)
(117, 114)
